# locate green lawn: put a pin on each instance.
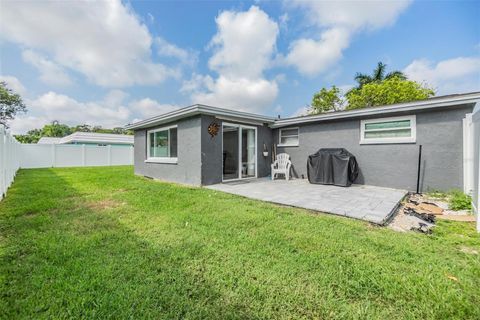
(101, 242)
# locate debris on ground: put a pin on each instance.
(419, 212)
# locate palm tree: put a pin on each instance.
(378, 75)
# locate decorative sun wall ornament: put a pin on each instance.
(213, 129)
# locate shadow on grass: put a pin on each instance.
(65, 254)
(99, 242)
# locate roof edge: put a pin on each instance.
(196, 110)
(437, 102)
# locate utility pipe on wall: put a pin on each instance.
(419, 167)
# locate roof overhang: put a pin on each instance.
(434, 103)
(199, 109)
(81, 137)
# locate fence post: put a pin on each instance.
(53, 154)
(109, 149)
(468, 150)
(9, 163)
(84, 163)
(2, 162)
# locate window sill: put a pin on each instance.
(162, 160)
(287, 145)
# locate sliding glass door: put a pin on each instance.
(239, 151)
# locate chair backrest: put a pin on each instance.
(282, 160)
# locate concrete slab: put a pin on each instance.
(369, 203)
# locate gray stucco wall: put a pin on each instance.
(393, 165)
(188, 168)
(199, 155)
(212, 151)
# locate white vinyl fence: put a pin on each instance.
(475, 131)
(14, 155)
(9, 160)
(73, 155)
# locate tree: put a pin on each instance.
(32, 136)
(378, 75)
(82, 128)
(10, 104)
(327, 100)
(55, 129)
(389, 91)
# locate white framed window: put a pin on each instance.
(162, 145)
(288, 137)
(388, 130)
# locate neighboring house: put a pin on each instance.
(181, 146)
(91, 138)
(49, 140)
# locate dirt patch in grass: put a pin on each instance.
(105, 204)
(31, 213)
(469, 250)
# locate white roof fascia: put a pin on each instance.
(384, 110)
(197, 110)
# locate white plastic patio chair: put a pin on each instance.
(281, 165)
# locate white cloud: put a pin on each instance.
(302, 111)
(109, 112)
(103, 40)
(114, 110)
(243, 48)
(244, 43)
(315, 56)
(336, 23)
(167, 49)
(455, 75)
(148, 107)
(50, 72)
(14, 84)
(239, 93)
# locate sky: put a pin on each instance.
(110, 63)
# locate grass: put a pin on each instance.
(103, 243)
(457, 200)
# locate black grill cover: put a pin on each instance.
(334, 166)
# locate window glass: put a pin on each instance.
(151, 136)
(289, 132)
(289, 140)
(289, 136)
(388, 133)
(389, 130)
(388, 125)
(163, 143)
(173, 142)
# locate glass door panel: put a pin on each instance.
(248, 152)
(231, 150)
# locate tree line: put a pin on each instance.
(58, 130)
(376, 89)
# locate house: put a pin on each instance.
(49, 140)
(203, 145)
(91, 138)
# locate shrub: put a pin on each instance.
(459, 200)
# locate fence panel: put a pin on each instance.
(67, 155)
(9, 160)
(64, 155)
(476, 166)
(97, 156)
